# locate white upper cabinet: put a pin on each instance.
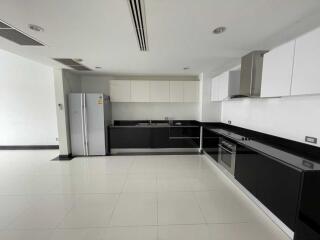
(120, 90)
(222, 88)
(154, 91)
(176, 91)
(277, 71)
(306, 77)
(140, 91)
(159, 91)
(190, 91)
(215, 85)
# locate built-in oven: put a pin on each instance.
(227, 155)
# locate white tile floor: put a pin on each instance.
(123, 197)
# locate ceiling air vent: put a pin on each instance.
(17, 36)
(72, 64)
(137, 10)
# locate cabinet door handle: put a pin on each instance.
(227, 150)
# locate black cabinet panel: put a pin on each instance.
(308, 223)
(273, 183)
(210, 141)
(160, 137)
(130, 137)
(154, 137)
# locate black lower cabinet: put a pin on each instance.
(126, 137)
(160, 137)
(210, 142)
(273, 183)
(154, 137)
(308, 221)
(184, 137)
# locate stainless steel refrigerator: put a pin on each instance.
(89, 117)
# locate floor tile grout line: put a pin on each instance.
(199, 206)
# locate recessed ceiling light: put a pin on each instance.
(186, 68)
(36, 28)
(219, 30)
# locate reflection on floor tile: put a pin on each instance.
(135, 209)
(160, 197)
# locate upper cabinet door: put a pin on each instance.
(140, 91)
(120, 90)
(224, 86)
(220, 87)
(159, 91)
(277, 71)
(215, 82)
(176, 91)
(306, 75)
(191, 91)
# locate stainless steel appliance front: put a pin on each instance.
(227, 155)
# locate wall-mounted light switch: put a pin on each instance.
(311, 139)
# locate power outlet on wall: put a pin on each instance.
(57, 139)
(311, 139)
(229, 122)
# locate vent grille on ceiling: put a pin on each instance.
(16, 36)
(72, 63)
(137, 10)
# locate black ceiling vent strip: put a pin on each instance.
(67, 61)
(137, 10)
(80, 68)
(72, 64)
(16, 36)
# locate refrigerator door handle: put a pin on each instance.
(85, 125)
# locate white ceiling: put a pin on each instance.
(179, 32)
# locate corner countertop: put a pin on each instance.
(281, 155)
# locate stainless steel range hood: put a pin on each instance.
(251, 75)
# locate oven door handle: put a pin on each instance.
(227, 150)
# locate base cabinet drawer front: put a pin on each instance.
(185, 132)
(273, 183)
(184, 143)
(130, 137)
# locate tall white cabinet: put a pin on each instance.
(306, 77)
(277, 71)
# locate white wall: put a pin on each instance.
(65, 82)
(154, 111)
(209, 111)
(289, 117)
(27, 102)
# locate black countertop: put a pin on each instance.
(154, 124)
(285, 156)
